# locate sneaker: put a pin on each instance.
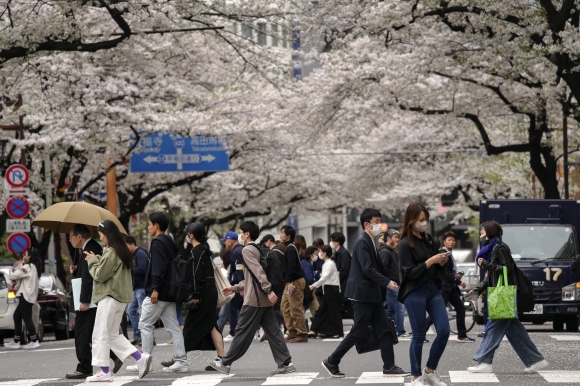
(13, 345)
(133, 369)
(536, 366)
(262, 335)
(168, 363)
(332, 370)
(228, 338)
(101, 377)
(465, 340)
(285, 369)
(418, 382)
(481, 368)
(481, 334)
(432, 379)
(209, 368)
(144, 364)
(396, 371)
(177, 367)
(404, 335)
(219, 366)
(31, 345)
(136, 341)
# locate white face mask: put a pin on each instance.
(376, 229)
(332, 244)
(240, 240)
(314, 258)
(421, 227)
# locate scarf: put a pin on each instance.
(485, 252)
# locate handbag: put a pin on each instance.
(502, 300)
(308, 295)
(220, 283)
(371, 343)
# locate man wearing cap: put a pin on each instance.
(236, 275)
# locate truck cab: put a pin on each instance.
(543, 240)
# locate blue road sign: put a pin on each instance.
(18, 243)
(17, 207)
(162, 153)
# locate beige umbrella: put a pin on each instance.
(61, 217)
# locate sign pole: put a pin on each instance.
(48, 183)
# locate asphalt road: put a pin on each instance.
(47, 365)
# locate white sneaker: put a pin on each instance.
(418, 382)
(432, 379)
(536, 366)
(481, 368)
(219, 366)
(144, 364)
(101, 377)
(228, 338)
(31, 345)
(12, 345)
(132, 369)
(177, 367)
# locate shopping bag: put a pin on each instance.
(220, 283)
(502, 300)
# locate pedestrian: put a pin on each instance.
(422, 271)
(231, 242)
(310, 256)
(293, 297)
(138, 272)
(317, 243)
(224, 310)
(80, 238)
(257, 309)
(201, 331)
(111, 273)
(497, 256)
(451, 292)
(158, 302)
(388, 253)
(366, 288)
(328, 320)
(24, 276)
(342, 259)
(275, 252)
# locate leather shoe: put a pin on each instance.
(291, 335)
(78, 375)
(117, 367)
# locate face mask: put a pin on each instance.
(314, 258)
(376, 229)
(483, 241)
(332, 244)
(421, 227)
(240, 240)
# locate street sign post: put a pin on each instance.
(163, 153)
(18, 243)
(17, 176)
(13, 226)
(17, 207)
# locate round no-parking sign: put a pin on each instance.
(17, 207)
(17, 176)
(18, 243)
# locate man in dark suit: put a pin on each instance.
(80, 238)
(366, 288)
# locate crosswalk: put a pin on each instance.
(305, 378)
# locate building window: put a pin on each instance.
(262, 34)
(274, 35)
(247, 32)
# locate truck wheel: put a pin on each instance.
(558, 325)
(572, 325)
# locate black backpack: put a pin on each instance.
(271, 262)
(176, 274)
(525, 294)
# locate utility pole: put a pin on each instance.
(565, 144)
(48, 187)
(112, 189)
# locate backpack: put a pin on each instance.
(525, 298)
(272, 266)
(176, 274)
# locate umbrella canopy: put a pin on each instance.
(61, 217)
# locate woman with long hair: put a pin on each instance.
(300, 243)
(422, 269)
(112, 291)
(201, 331)
(496, 256)
(328, 320)
(25, 277)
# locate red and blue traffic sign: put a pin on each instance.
(17, 176)
(17, 207)
(18, 243)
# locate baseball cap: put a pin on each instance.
(230, 236)
(267, 238)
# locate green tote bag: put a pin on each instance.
(501, 300)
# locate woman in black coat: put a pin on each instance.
(200, 330)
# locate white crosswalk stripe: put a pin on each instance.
(291, 379)
(467, 377)
(565, 337)
(26, 382)
(377, 377)
(201, 379)
(556, 376)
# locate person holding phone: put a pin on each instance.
(422, 270)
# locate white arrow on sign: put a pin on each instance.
(178, 159)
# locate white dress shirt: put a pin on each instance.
(329, 275)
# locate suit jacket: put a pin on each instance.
(83, 271)
(343, 261)
(367, 281)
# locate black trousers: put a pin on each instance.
(365, 315)
(23, 311)
(84, 325)
(454, 298)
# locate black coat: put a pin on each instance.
(450, 283)
(390, 260)
(139, 270)
(83, 271)
(343, 260)
(291, 264)
(500, 257)
(367, 281)
(162, 251)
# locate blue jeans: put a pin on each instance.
(223, 317)
(517, 336)
(396, 310)
(134, 310)
(426, 298)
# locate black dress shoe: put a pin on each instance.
(117, 367)
(78, 375)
